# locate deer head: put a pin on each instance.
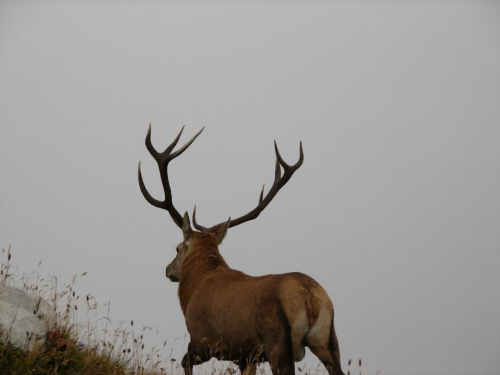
(174, 268)
(219, 230)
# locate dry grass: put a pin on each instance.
(79, 341)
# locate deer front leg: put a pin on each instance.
(188, 363)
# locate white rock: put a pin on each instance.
(24, 319)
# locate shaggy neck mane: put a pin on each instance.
(202, 260)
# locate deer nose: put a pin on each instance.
(173, 278)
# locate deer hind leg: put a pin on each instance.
(248, 365)
(324, 344)
(273, 329)
(279, 351)
(248, 368)
(280, 359)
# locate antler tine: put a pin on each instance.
(145, 192)
(279, 181)
(285, 166)
(183, 148)
(163, 159)
(196, 225)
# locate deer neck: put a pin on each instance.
(202, 261)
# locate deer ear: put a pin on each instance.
(186, 228)
(222, 231)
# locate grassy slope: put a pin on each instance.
(74, 347)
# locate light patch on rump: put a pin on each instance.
(302, 304)
(320, 331)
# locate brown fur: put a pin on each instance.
(237, 317)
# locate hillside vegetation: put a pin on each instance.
(74, 346)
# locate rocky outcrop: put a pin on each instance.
(24, 319)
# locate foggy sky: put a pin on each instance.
(395, 211)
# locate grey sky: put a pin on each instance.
(396, 210)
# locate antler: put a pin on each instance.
(163, 158)
(279, 182)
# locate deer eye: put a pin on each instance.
(177, 249)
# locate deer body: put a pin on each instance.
(233, 316)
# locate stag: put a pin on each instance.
(231, 315)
